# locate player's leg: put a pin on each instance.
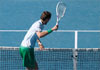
(28, 58)
(33, 61)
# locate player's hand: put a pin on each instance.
(55, 27)
(41, 47)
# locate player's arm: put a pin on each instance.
(44, 33)
(40, 44)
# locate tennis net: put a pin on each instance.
(52, 59)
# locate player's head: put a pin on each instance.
(45, 17)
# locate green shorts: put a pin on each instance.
(28, 57)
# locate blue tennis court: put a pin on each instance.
(83, 16)
(80, 15)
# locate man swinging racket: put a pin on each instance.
(33, 35)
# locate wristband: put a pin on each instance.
(49, 31)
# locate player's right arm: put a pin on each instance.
(44, 33)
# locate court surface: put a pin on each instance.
(80, 15)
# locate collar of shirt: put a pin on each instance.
(40, 22)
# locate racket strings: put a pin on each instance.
(60, 10)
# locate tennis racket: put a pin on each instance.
(60, 11)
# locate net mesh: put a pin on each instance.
(51, 59)
(88, 59)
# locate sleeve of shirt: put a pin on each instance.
(38, 28)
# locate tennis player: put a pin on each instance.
(33, 35)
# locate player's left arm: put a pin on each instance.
(40, 44)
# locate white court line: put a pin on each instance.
(54, 31)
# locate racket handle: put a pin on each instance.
(57, 23)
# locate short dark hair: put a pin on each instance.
(45, 15)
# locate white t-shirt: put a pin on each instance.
(31, 36)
